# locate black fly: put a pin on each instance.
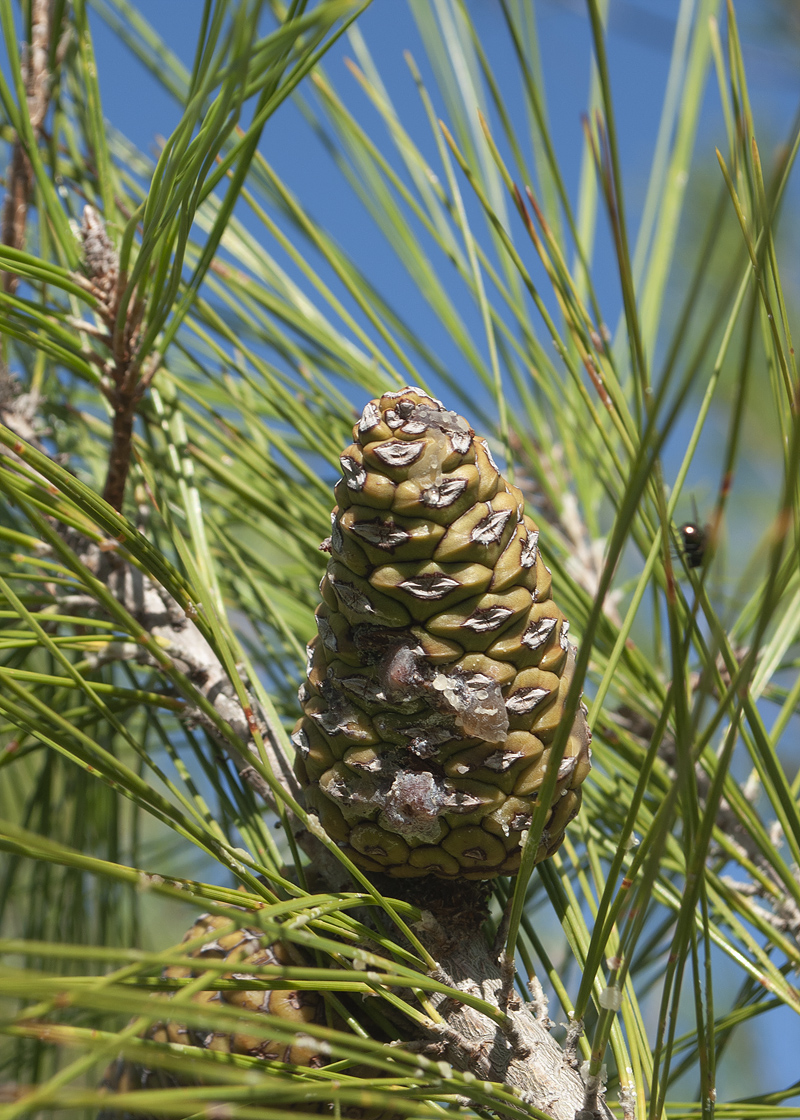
(693, 538)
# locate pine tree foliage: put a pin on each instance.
(185, 352)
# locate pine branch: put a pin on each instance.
(19, 179)
(520, 1053)
(158, 613)
(124, 382)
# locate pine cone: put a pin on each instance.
(441, 666)
(242, 948)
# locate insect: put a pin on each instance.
(693, 538)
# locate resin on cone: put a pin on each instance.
(439, 673)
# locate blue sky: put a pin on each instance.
(639, 53)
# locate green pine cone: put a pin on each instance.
(441, 666)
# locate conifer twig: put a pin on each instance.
(521, 1053)
(123, 382)
(159, 614)
(19, 179)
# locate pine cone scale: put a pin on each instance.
(441, 666)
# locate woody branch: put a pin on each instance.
(19, 178)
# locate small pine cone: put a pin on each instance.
(441, 666)
(242, 948)
(99, 255)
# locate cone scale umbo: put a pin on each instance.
(441, 666)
